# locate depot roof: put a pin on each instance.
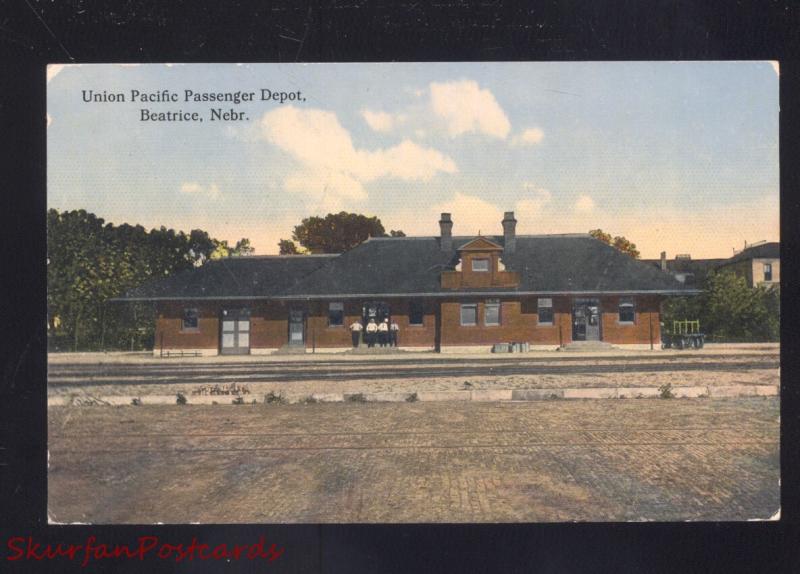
(412, 266)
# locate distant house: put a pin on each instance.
(445, 292)
(690, 272)
(759, 264)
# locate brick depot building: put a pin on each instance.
(445, 293)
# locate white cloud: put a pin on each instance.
(466, 108)
(584, 204)
(326, 189)
(193, 188)
(530, 136)
(378, 121)
(333, 167)
(471, 214)
(531, 206)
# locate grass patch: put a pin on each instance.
(238, 401)
(137, 402)
(273, 398)
(412, 398)
(665, 391)
(180, 399)
(356, 398)
(309, 400)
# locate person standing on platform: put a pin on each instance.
(394, 331)
(372, 331)
(355, 332)
(383, 333)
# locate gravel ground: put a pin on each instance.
(294, 378)
(409, 385)
(148, 358)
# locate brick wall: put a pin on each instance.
(169, 323)
(269, 325)
(324, 335)
(647, 316)
(519, 321)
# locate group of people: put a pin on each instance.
(382, 334)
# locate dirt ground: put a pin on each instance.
(648, 459)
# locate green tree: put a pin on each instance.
(243, 247)
(601, 235)
(730, 310)
(734, 311)
(619, 242)
(222, 249)
(287, 247)
(336, 232)
(90, 261)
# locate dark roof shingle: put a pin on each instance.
(546, 263)
(413, 265)
(232, 277)
(770, 250)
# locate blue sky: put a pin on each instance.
(676, 156)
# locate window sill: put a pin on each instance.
(545, 324)
(189, 331)
(628, 323)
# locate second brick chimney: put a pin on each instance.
(509, 232)
(446, 232)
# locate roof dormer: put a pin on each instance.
(479, 267)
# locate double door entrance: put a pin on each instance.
(377, 311)
(297, 327)
(235, 332)
(586, 320)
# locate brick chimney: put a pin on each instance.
(509, 232)
(446, 232)
(663, 260)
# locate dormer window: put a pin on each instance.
(479, 260)
(480, 265)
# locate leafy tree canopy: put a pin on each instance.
(334, 233)
(619, 242)
(287, 247)
(730, 310)
(90, 261)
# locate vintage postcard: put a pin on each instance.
(413, 293)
